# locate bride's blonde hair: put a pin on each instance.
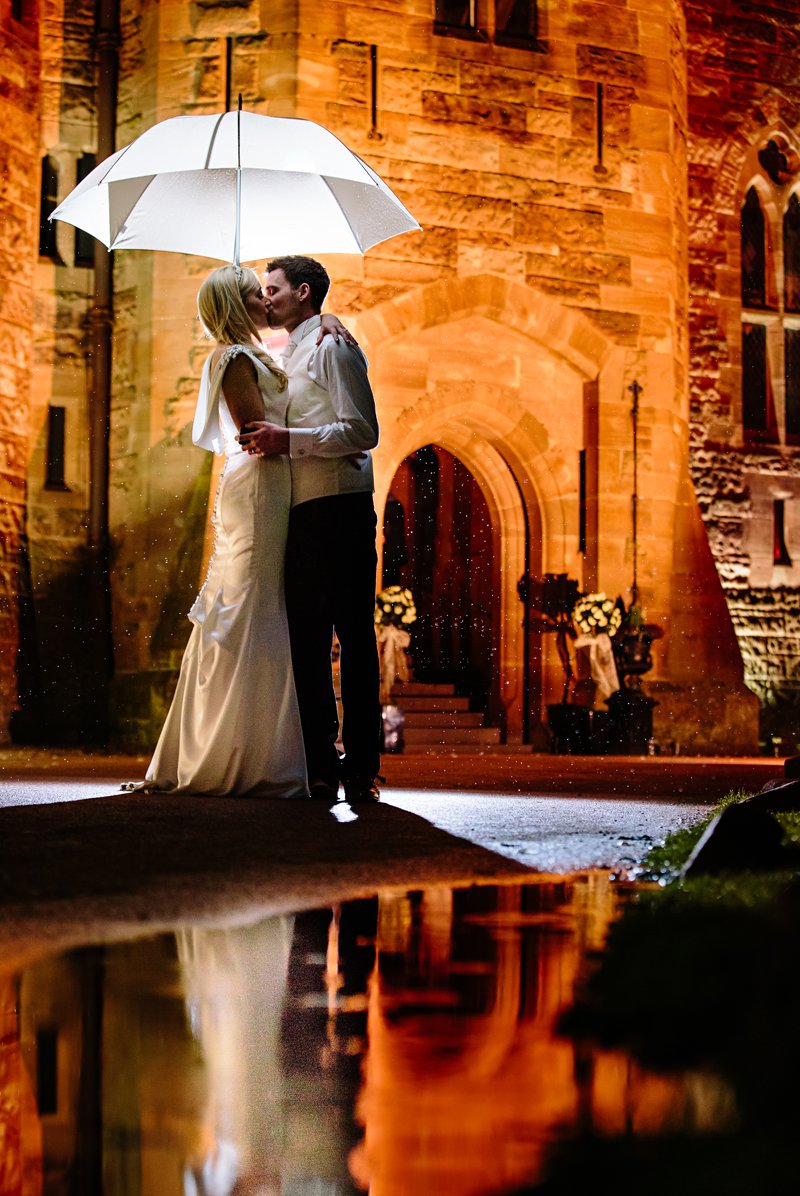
(220, 305)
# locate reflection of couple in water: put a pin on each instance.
(294, 555)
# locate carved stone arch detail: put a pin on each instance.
(739, 162)
(565, 331)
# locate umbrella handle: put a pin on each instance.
(236, 236)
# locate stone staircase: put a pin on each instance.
(437, 720)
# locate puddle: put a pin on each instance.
(408, 1044)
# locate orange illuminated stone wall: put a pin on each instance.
(19, 167)
(543, 282)
(547, 277)
(744, 91)
(57, 693)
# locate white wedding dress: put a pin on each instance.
(233, 727)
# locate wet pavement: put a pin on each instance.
(219, 997)
(405, 1044)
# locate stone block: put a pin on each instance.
(470, 212)
(401, 88)
(496, 86)
(650, 127)
(577, 161)
(484, 153)
(442, 106)
(542, 224)
(549, 122)
(476, 257)
(573, 293)
(637, 232)
(609, 64)
(581, 266)
(538, 158)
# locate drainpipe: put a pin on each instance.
(101, 319)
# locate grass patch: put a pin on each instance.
(664, 861)
(791, 828)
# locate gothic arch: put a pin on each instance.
(528, 474)
(562, 329)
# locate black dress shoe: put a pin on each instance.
(361, 789)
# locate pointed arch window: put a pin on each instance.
(791, 255)
(754, 256)
(48, 204)
(755, 379)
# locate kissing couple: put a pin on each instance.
(294, 559)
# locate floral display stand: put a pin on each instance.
(394, 614)
(611, 646)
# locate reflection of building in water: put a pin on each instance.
(466, 1080)
(20, 1135)
(118, 1081)
(399, 1045)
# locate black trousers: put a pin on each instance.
(331, 563)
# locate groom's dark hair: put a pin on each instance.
(304, 269)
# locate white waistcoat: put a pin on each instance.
(310, 407)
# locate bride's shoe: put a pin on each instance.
(138, 787)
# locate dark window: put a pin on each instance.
(516, 22)
(780, 553)
(754, 377)
(456, 14)
(56, 434)
(791, 255)
(754, 270)
(18, 10)
(48, 204)
(792, 378)
(458, 18)
(84, 243)
(47, 1071)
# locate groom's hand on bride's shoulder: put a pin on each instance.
(262, 439)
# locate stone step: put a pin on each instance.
(421, 689)
(436, 705)
(451, 749)
(445, 736)
(443, 718)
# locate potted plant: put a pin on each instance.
(633, 641)
(631, 709)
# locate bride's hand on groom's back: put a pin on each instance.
(332, 326)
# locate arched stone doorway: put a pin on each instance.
(438, 540)
(511, 383)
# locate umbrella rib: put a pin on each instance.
(344, 213)
(212, 140)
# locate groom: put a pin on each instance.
(330, 553)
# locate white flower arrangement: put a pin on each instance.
(596, 614)
(395, 607)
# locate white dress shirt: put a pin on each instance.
(331, 415)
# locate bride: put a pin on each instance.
(233, 727)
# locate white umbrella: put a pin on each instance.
(236, 187)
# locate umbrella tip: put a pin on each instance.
(240, 101)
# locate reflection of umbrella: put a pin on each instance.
(236, 187)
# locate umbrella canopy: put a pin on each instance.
(236, 187)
